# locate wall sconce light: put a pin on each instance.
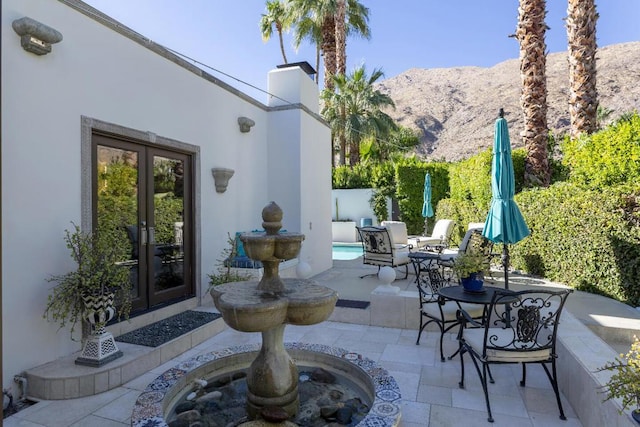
(35, 37)
(221, 177)
(245, 124)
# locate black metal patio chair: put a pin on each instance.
(435, 309)
(522, 331)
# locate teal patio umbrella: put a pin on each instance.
(427, 209)
(504, 223)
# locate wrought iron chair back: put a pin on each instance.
(527, 324)
(520, 327)
(434, 309)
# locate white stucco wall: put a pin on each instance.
(98, 73)
(353, 204)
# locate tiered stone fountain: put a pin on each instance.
(267, 307)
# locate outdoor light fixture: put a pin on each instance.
(221, 177)
(35, 37)
(245, 124)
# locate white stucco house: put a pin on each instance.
(104, 96)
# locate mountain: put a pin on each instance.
(454, 109)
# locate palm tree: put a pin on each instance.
(323, 14)
(276, 16)
(583, 96)
(308, 28)
(533, 100)
(362, 104)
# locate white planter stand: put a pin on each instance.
(100, 346)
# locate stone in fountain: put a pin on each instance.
(267, 307)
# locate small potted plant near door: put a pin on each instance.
(93, 293)
(625, 382)
(469, 268)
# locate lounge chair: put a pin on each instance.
(439, 238)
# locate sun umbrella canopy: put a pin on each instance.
(427, 209)
(504, 223)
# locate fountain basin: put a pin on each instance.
(282, 246)
(159, 397)
(248, 309)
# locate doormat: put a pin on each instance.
(349, 303)
(165, 330)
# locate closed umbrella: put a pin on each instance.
(427, 209)
(504, 223)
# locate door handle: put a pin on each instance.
(152, 235)
(143, 233)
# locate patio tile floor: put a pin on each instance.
(430, 392)
(429, 387)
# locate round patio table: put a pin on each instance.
(457, 293)
(484, 297)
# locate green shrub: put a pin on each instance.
(410, 189)
(608, 157)
(346, 177)
(585, 238)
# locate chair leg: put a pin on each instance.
(523, 381)
(462, 350)
(485, 368)
(371, 274)
(406, 271)
(420, 330)
(554, 383)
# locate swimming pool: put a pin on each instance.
(346, 251)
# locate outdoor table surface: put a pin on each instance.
(457, 293)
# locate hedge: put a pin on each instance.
(586, 238)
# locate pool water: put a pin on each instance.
(345, 252)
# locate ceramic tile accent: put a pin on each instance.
(385, 411)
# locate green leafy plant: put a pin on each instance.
(98, 272)
(625, 383)
(224, 273)
(467, 263)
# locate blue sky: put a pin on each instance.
(225, 34)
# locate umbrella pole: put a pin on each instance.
(505, 264)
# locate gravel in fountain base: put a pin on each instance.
(160, 394)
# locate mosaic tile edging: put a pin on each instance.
(385, 411)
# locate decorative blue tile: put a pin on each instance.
(385, 411)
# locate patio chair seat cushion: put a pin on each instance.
(450, 308)
(397, 231)
(400, 257)
(475, 339)
(242, 262)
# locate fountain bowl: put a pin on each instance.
(155, 404)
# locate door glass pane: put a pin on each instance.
(168, 211)
(117, 204)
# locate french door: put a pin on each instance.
(143, 194)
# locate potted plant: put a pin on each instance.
(98, 282)
(469, 268)
(625, 383)
(225, 272)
